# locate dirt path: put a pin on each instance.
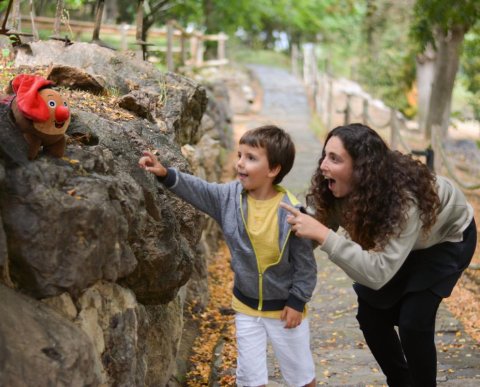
(341, 356)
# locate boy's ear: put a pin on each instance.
(275, 171)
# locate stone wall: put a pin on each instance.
(96, 259)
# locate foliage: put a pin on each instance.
(442, 14)
(471, 68)
(442, 24)
(266, 22)
(386, 57)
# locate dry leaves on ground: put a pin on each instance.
(216, 329)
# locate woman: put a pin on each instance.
(401, 233)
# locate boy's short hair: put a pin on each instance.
(277, 143)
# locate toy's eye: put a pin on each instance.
(65, 103)
(52, 103)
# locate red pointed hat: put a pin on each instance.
(29, 102)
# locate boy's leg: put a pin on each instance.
(292, 350)
(417, 332)
(378, 329)
(252, 351)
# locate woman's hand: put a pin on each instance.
(151, 164)
(304, 225)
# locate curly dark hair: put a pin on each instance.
(385, 183)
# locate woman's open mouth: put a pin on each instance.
(331, 183)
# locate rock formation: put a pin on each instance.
(96, 258)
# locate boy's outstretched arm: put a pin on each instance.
(151, 164)
(292, 317)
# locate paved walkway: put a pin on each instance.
(341, 356)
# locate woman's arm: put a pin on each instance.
(367, 267)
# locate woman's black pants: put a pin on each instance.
(408, 358)
(410, 301)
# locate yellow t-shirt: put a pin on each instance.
(262, 225)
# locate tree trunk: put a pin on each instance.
(139, 21)
(425, 73)
(446, 65)
(98, 20)
(208, 12)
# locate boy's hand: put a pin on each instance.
(151, 164)
(292, 317)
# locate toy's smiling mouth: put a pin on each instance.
(59, 124)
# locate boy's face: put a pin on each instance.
(253, 170)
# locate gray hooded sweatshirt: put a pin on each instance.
(287, 282)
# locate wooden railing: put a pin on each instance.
(181, 48)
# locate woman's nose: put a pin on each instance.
(323, 165)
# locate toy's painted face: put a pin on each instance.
(59, 113)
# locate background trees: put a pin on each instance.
(443, 25)
(385, 45)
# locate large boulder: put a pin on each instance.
(40, 348)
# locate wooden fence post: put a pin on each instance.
(294, 60)
(394, 129)
(170, 64)
(329, 102)
(200, 50)
(307, 67)
(123, 36)
(193, 48)
(221, 46)
(365, 108)
(348, 110)
(183, 49)
(436, 145)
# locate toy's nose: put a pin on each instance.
(61, 113)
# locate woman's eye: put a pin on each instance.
(52, 103)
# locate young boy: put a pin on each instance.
(274, 271)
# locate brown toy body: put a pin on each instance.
(41, 114)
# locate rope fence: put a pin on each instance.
(390, 123)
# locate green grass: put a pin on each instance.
(243, 55)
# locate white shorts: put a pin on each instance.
(291, 348)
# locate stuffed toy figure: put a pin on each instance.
(41, 114)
